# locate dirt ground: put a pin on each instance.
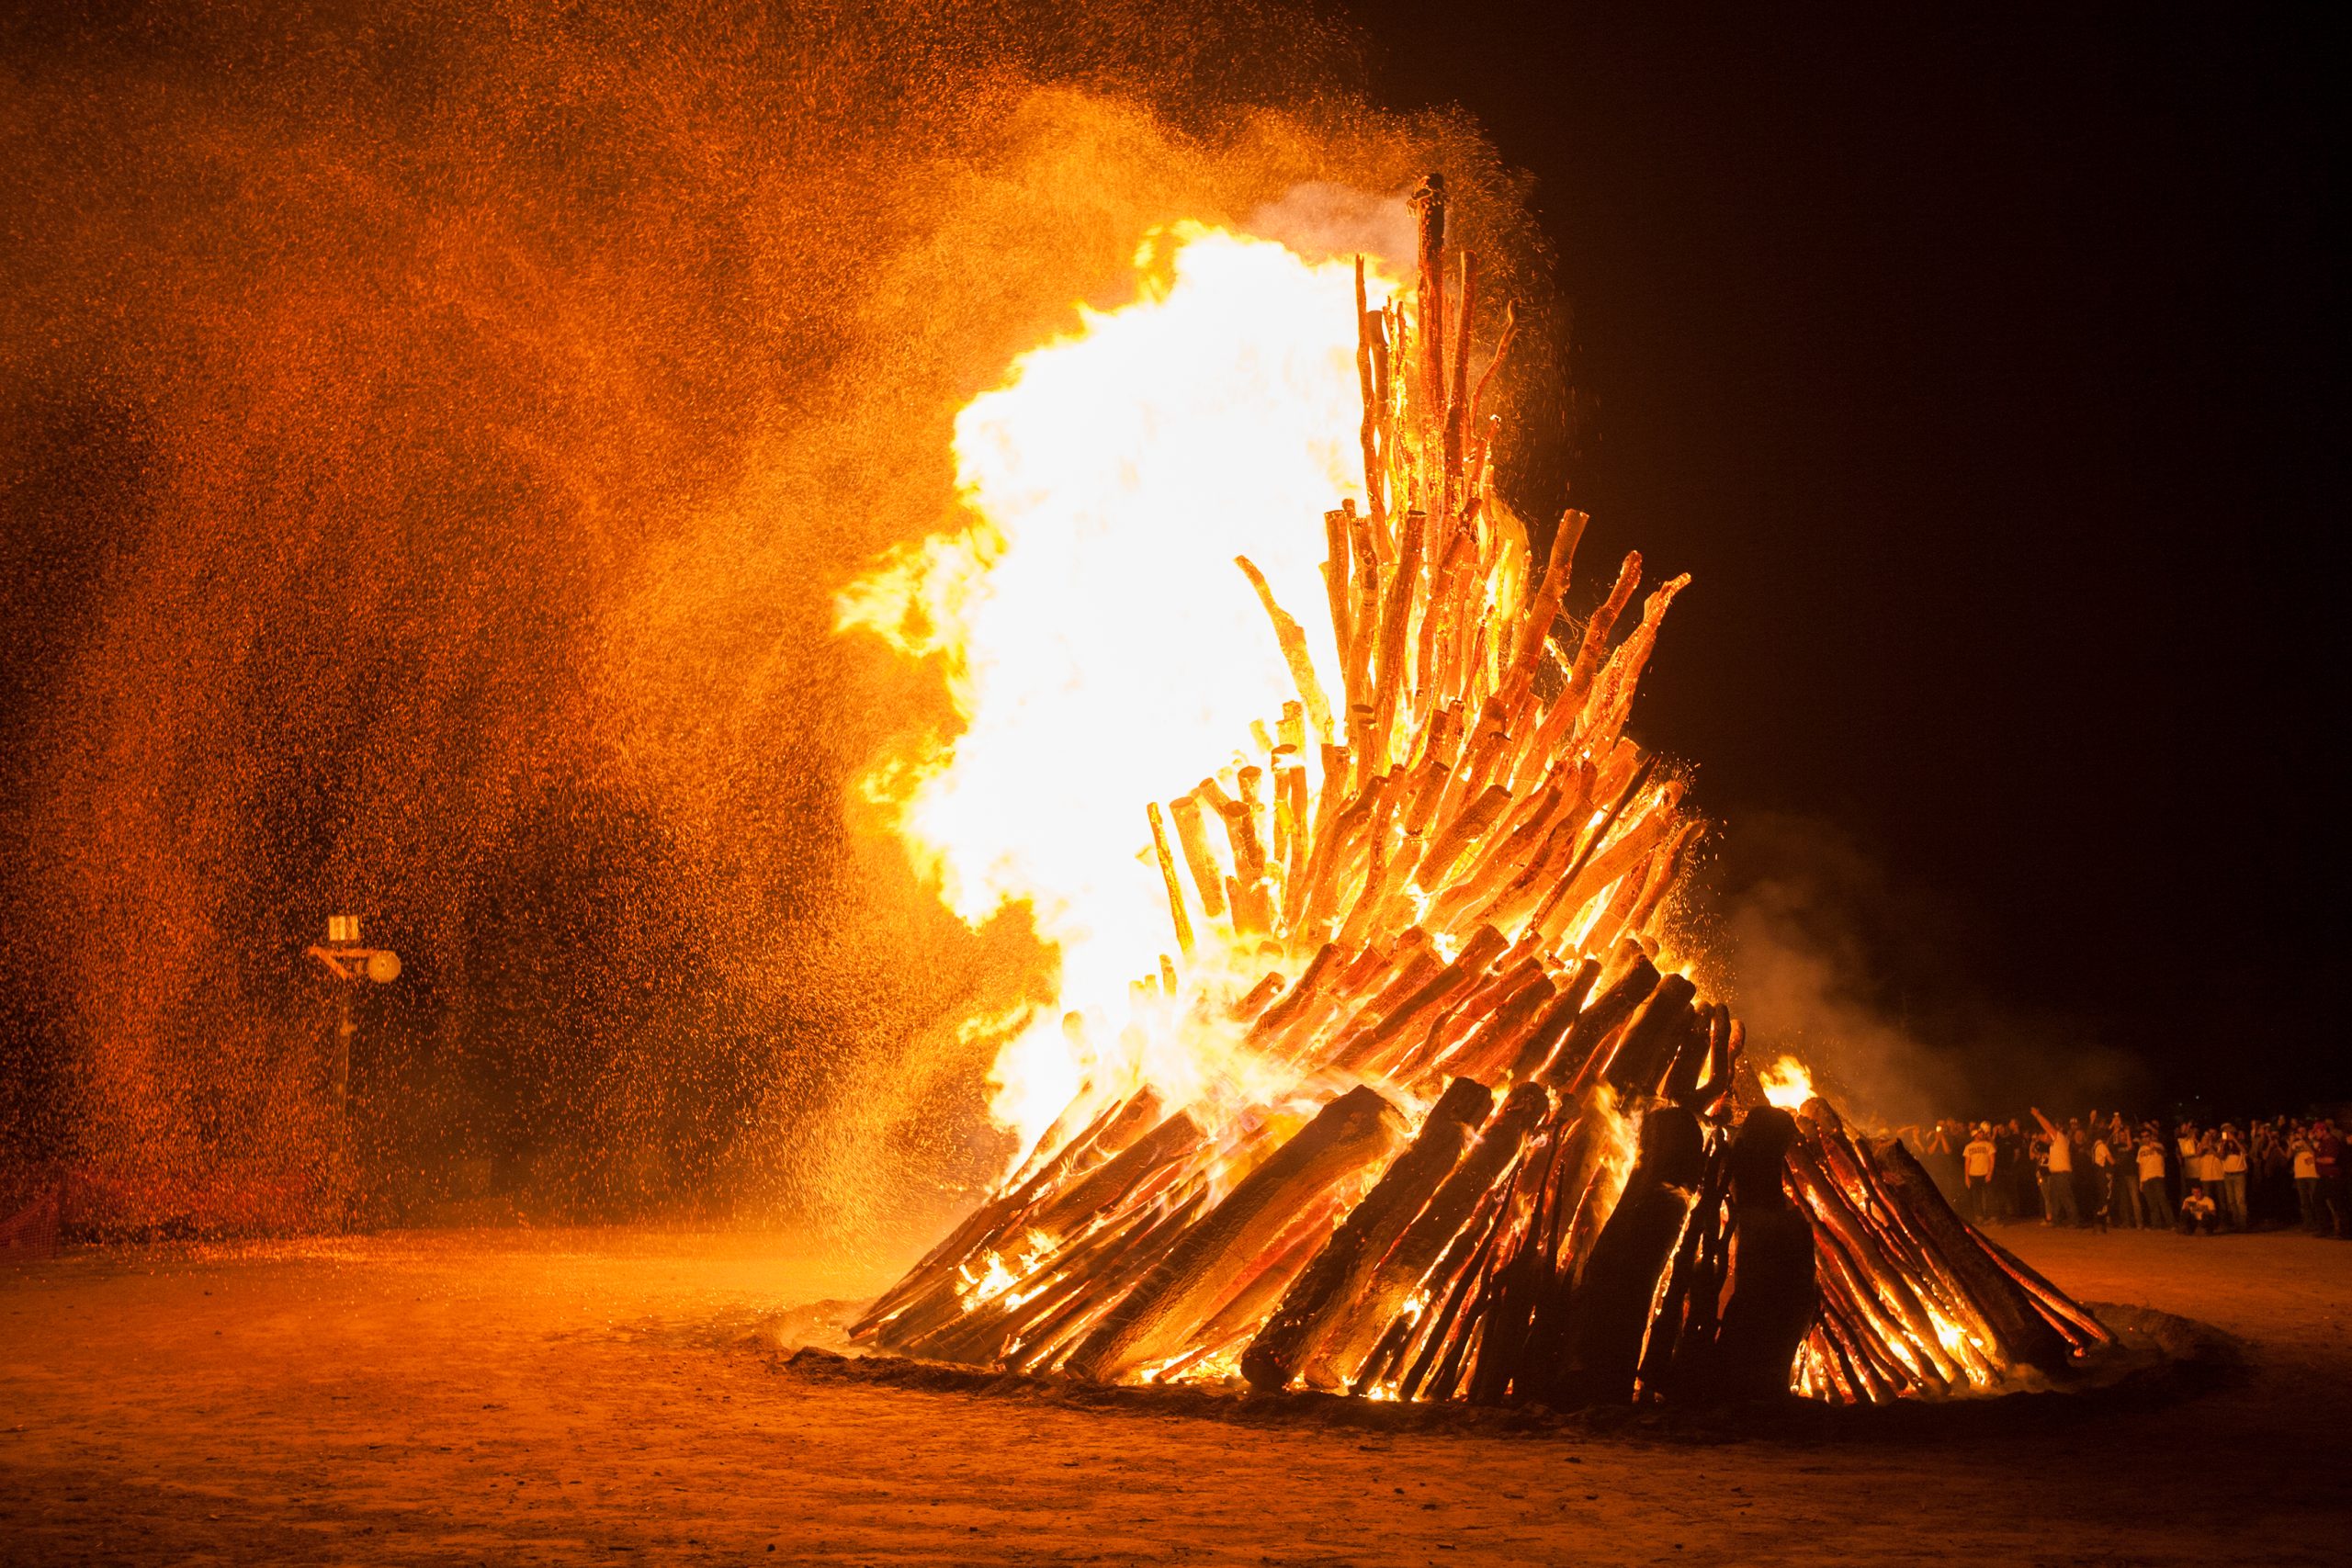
(517, 1396)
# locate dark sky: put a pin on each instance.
(1986, 370)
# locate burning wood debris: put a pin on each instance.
(1514, 1155)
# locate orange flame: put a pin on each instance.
(1786, 1083)
(1101, 644)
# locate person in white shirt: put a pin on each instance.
(2154, 1197)
(2197, 1211)
(1977, 1165)
(2233, 1168)
(2306, 1180)
(2058, 1175)
(2209, 1162)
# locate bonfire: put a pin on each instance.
(1471, 1129)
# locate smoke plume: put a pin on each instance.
(1866, 979)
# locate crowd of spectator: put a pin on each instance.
(2112, 1172)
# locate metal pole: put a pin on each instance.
(343, 1030)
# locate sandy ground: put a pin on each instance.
(582, 1396)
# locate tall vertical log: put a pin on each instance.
(1773, 1296)
(1368, 330)
(1457, 399)
(1208, 875)
(1396, 620)
(1428, 206)
(1184, 922)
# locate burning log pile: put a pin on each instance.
(1509, 1153)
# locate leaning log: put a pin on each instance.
(1109, 1134)
(1446, 983)
(1264, 1282)
(1574, 1065)
(1648, 1046)
(1042, 1344)
(1685, 1319)
(1317, 1298)
(979, 1331)
(1522, 1277)
(1502, 1037)
(2026, 1337)
(2077, 1324)
(1350, 1336)
(1542, 1039)
(1108, 1183)
(1149, 1323)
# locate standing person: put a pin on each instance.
(2185, 1170)
(2267, 1186)
(2058, 1181)
(2031, 1152)
(2106, 1176)
(2012, 1170)
(1976, 1161)
(2233, 1168)
(2026, 1197)
(2154, 1199)
(1929, 1147)
(2122, 1171)
(2306, 1180)
(2290, 1206)
(2090, 1182)
(2327, 1158)
(1946, 1168)
(2123, 1174)
(2208, 1170)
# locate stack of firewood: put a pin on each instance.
(1510, 1166)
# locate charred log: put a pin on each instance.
(1774, 1295)
(1609, 1309)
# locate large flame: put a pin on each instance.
(1101, 642)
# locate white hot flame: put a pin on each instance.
(1786, 1083)
(1104, 646)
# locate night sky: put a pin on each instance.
(1985, 370)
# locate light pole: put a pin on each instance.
(349, 962)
